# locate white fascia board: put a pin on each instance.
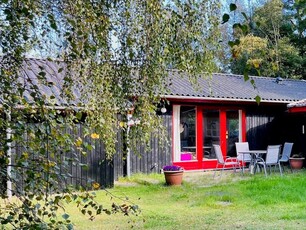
(224, 99)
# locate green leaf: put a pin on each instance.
(245, 29)
(233, 7)
(236, 26)
(233, 43)
(25, 11)
(108, 212)
(52, 22)
(258, 99)
(78, 115)
(225, 18)
(246, 76)
(8, 14)
(67, 198)
(245, 16)
(42, 73)
(53, 26)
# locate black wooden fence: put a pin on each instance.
(101, 170)
(91, 167)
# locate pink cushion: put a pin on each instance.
(186, 156)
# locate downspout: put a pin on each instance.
(128, 153)
(130, 122)
(9, 154)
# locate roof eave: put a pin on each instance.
(176, 97)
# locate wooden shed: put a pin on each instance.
(217, 109)
(223, 109)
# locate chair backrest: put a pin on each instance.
(273, 152)
(240, 147)
(286, 151)
(218, 153)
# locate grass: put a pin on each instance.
(232, 202)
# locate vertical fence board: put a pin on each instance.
(106, 171)
(99, 169)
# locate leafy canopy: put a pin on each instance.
(281, 26)
(106, 55)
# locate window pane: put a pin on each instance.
(232, 123)
(211, 132)
(188, 132)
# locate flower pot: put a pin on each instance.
(173, 177)
(296, 163)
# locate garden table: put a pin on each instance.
(254, 154)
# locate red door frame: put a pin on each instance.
(223, 131)
(210, 164)
(199, 135)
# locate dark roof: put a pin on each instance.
(47, 76)
(217, 87)
(234, 88)
(53, 77)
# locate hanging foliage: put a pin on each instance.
(93, 62)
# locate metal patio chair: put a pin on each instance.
(271, 159)
(243, 157)
(231, 162)
(286, 155)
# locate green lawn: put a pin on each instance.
(233, 202)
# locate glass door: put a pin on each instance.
(211, 133)
(232, 131)
(222, 127)
(197, 128)
(184, 133)
(188, 133)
